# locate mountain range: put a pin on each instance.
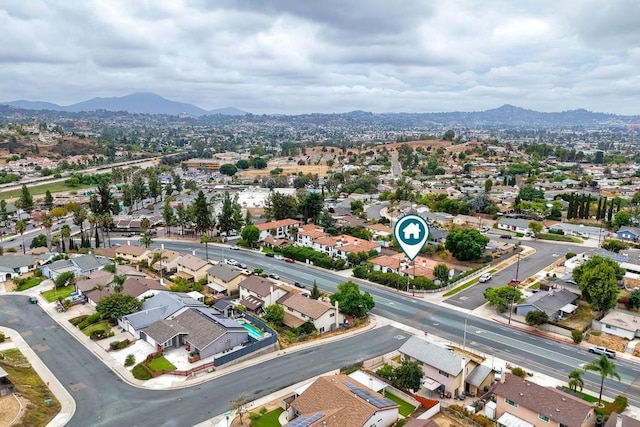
(144, 103)
(509, 115)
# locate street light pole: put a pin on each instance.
(513, 298)
(518, 266)
(464, 337)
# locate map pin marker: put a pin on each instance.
(411, 233)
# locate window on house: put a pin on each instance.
(322, 329)
(511, 402)
(562, 425)
(444, 374)
(332, 315)
(543, 418)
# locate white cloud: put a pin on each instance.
(277, 56)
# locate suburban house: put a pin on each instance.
(341, 401)
(12, 266)
(191, 267)
(80, 266)
(199, 329)
(631, 234)
(135, 254)
(514, 224)
(142, 287)
(341, 246)
(161, 306)
(225, 279)
(399, 264)
(445, 370)
(166, 262)
(555, 302)
(308, 233)
(520, 402)
(278, 229)
(618, 420)
(272, 242)
(379, 230)
(92, 285)
(299, 309)
(625, 324)
(256, 293)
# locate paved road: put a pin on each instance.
(103, 399)
(546, 253)
(396, 169)
(373, 211)
(546, 356)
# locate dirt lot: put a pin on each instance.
(9, 408)
(444, 420)
(287, 169)
(610, 341)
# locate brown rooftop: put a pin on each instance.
(307, 306)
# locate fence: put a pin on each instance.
(254, 346)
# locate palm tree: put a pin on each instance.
(65, 232)
(118, 281)
(93, 223)
(606, 368)
(145, 224)
(47, 223)
(146, 240)
(79, 217)
(206, 239)
(107, 222)
(21, 227)
(575, 379)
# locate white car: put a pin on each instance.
(279, 257)
(234, 248)
(485, 278)
(231, 261)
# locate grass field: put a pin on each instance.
(406, 408)
(99, 326)
(43, 405)
(287, 169)
(270, 419)
(54, 294)
(29, 283)
(460, 288)
(38, 190)
(160, 364)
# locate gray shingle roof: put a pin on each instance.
(224, 272)
(161, 306)
(17, 261)
(478, 375)
(89, 262)
(551, 301)
(433, 355)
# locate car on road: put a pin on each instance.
(571, 282)
(279, 257)
(484, 229)
(506, 236)
(33, 300)
(485, 278)
(274, 276)
(289, 260)
(269, 254)
(231, 261)
(514, 282)
(234, 248)
(596, 349)
(241, 265)
(298, 285)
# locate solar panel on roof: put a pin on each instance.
(305, 421)
(374, 398)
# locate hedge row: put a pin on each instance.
(119, 345)
(393, 280)
(319, 259)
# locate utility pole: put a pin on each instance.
(518, 266)
(513, 298)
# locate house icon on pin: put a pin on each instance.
(411, 231)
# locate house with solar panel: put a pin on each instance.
(340, 401)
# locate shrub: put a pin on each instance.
(94, 318)
(519, 372)
(76, 320)
(119, 345)
(2, 337)
(263, 410)
(253, 416)
(570, 255)
(82, 324)
(576, 335)
(139, 372)
(130, 360)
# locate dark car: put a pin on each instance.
(298, 285)
(505, 236)
(269, 254)
(33, 300)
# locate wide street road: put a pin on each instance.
(546, 253)
(534, 353)
(103, 399)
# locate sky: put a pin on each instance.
(330, 56)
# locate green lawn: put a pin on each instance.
(37, 190)
(460, 288)
(160, 364)
(406, 408)
(583, 396)
(99, 326)
(54, 294)
(29, 283)
(270, 419)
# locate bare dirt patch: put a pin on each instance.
(287, 169)
(10, 409)
(444, 420)
(610, 341)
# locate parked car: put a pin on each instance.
(231, 261)
(571, 282)
(485, 278)
(279, 257)
(484, 229)
(33, 300)
(506, 236)
(234, 248)
(274, 276)
(514, 282)
(298, 285)
(596, 349)
(269, 254)
(289, 260)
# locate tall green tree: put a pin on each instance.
(225, 219)
(47, 223)
(79, 217)
(351, 301)
(279, 206)
(315, 292)
(598, 282)
(146, 240)
(606, 368)
(103, 201)
(206, 239)
(167, 215)
(118, 305)
(575, 380)
(65, 233)
(466, 244)
(441, 272)
(250, 234)
(202, 215)
(21, 227)
(311, 205)
(408, 376)
(503, 296)
(48, 200)
(25, 201)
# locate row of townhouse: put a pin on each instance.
(340, 246)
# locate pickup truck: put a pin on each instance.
(596, 349)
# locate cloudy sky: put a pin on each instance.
(297, 56)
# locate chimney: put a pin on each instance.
(193, 252)
(337, 314)
(503, 377)
(128, 242)
(619, 421)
